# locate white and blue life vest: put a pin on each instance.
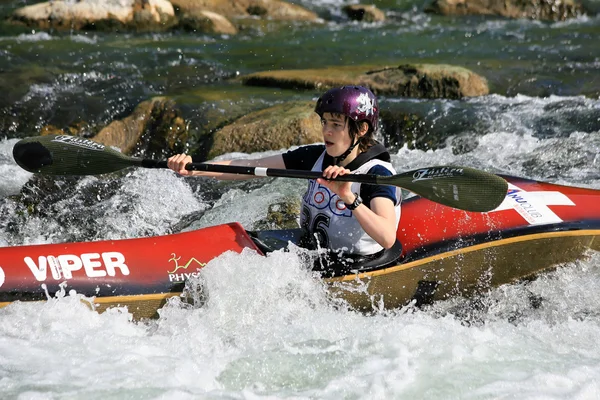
(325, 216)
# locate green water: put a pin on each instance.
(93, 77)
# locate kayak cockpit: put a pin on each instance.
(329, 264)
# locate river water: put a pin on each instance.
(268, 328)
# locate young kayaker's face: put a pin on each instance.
(335, 134)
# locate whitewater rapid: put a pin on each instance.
(267, 328)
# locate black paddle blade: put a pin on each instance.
(68, 155)
(464, 188)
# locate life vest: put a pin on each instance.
(325, 216)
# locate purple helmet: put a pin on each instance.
(356, 102)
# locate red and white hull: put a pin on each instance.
(446, 252)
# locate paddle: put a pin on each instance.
(459, 187)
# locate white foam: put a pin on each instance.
(13, 176)
(269, 329)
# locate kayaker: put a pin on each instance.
(360, 220)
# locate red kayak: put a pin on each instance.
(445, 252)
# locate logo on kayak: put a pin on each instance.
(533, 206)
(2, 276)
(79, 142)
(431, 173)
(173, 277)
(94, 265)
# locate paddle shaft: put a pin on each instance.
(261, 171)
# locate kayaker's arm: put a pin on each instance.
(378, 219)
(178, 162)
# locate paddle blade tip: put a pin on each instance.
(32, 156)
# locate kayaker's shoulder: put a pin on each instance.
(303, 157)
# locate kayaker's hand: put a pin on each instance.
(342, 189)
(178, 162)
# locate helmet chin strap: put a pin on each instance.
(342, 157)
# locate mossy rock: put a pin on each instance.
(278, 127)
(409, 80)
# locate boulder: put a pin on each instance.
(281, 215)
(272, 9)
(207, 22)
(410, 80)
(551, 10)
(364, 13)
(93, 14)
(274, 128)
(154, 129)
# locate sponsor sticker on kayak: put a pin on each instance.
(94, 265)
(533, 206)
(182, 276)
